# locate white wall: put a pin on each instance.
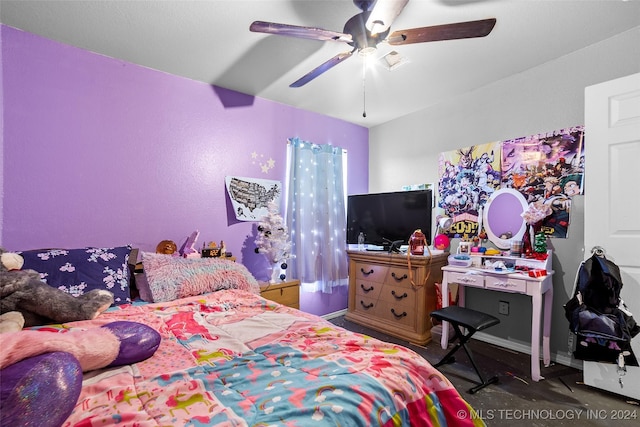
(545, 98)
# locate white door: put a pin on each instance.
(612, 204)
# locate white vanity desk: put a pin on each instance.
(522, 283)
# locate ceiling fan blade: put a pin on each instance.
(298, 31)
(326, 66)
(459, 30)
(383, 14)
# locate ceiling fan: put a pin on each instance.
(372, 26)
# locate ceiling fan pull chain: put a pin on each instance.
(364, 88)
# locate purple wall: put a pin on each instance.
(97, 151)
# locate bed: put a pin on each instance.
(229, 357)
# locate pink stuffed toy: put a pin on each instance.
(42, 371)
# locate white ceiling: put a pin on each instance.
(210, 41)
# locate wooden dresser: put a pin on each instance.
(381, 296)
(285, 293)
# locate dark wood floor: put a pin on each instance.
(561, 399)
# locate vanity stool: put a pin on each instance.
(472, 321)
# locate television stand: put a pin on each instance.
(381, 296)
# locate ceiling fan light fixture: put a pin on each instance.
(377, 27)
(367, 51)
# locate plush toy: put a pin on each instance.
(25, 292)
(167, 247)
(12, 321)
(10, 260)
(42, 371)
(114, 344)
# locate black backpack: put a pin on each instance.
(598, 316)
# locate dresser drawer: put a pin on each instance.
(371, 272)
(398, 295)
(400, 277)
(475, 280)
(505, 284)
(367, 305)
(395, 313)
(287, 293)
(368, 289)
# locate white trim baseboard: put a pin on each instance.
(335, 314)
(562, 359)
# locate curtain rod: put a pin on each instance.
(344, 150)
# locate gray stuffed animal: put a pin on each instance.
(41, 304)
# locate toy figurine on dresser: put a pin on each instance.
(417, 242)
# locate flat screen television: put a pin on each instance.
(385, 218)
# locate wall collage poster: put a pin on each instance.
(545, 168)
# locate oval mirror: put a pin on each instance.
(502, 217)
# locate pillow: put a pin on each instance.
(78, 271)
(170, 277)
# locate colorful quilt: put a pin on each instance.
(232, 358)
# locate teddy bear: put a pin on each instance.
(23, 291)
(42, 370)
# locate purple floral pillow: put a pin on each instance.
(77, 271)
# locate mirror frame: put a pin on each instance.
(486, 215)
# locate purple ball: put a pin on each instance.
(41, 390)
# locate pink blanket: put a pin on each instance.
(232, 358)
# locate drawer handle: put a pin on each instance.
(504, 284)
(399, 279)
(398, 316)
(366, 273)
(366, 289)
(367, 306)
(404, 295)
